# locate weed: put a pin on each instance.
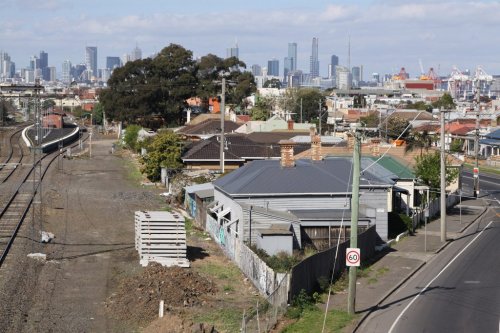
(225, 319)
(381, 271)
(311, 320)
(372, 280)
(228, 288)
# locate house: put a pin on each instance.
(275, 123)
(490, 145)
(207, 129)
(238, 150)
(309, 198)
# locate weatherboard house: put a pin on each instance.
(300, 202)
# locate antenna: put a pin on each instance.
(349, 53)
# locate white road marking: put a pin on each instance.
(481, 180)
(427, 286)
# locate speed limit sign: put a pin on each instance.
(352, 257)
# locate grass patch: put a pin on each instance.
(312, 321)
(221, 272)
(381, 271)
(341, 284)
(228, 288)
(484, 168)
(133, 172)
(224, 320)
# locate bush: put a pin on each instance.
(300, 303)
(131, 135)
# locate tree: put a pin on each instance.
(456, 146)
(48, 103)
(397, 126)
(310, 98)
(164, 151)
(131, 135)
(98, 112)
(148, 88)
(273, 83)
(239, 84)
(262, 109)
(428, 170)
(445, 102)
(419, 140)
(371, 120)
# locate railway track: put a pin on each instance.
(17, 205)
(14, 157)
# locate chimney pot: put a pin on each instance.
(290, 124)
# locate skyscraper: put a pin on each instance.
(136, 54)
(91, 60)
(256, 70)
(333, 63)
(66, 72)
(233, 51)
(290, 63)
(44, 65)
(356, 75)
(113, 62)
(7, 67)
(314, 62)
(273, 67)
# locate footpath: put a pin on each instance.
(405, 257)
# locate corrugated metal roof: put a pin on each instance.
(389, 164)
(332, 175)
(199, 187)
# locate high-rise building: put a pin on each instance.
(292, 55)
(375, 77)
(343, 77)
(7, 67)
(290, 61)
(356, 75)
(314, 62)
(233, 51)
(334, 61)
(34, 62)
(52, 74)
(66, 72)
(113, 62)
(273, 67)
(91, 60)
(136, 54)
(43, 64)
(256, 70)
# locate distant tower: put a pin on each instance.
(290, 63)
(66, 72)
(334, 62)
(256, 70)
(273, 67)
(91, 60)
(314, 62)
(136, 54)
(233, 51)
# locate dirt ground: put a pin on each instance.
(90, 281)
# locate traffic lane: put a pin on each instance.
(465, 297)
(381, 320)
(488, 185)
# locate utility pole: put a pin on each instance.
(476, 144)
(443, 180)
(222, 111)
(320, 115)
(356, 161)
(301, 111)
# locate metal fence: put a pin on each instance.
(434, 208)
(307, 274)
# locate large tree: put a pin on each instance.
(239, 84)
(148, 88)
(396, 127)
(309, 99)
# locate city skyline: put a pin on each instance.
(385, 35)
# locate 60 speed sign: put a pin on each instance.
(352, 256)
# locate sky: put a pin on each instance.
(385, 35)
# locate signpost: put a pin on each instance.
(476, 172)
(352, 257)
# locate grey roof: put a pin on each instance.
(266, 177)
(198, 187)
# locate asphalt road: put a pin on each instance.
(489, 184)
(459, 289)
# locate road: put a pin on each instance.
(456, 291)
(489, 184)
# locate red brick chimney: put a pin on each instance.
(290, 124)
(287, 158)
(316, 148)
